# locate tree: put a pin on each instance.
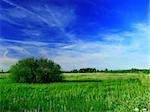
(34, 70)
(87, 70)
(106, 70)
(74, 71)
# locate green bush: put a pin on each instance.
(32, 70)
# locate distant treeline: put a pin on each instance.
(1, 71)
(94, 70)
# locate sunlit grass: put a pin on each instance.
(90, 92)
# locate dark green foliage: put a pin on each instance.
(74, 71)
(33, 70)
(106, 70)
(84, 70)
(133, 70)
(93, 70)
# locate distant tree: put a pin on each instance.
(94, 70)
(97, 70)
(74, 71)
(106, 70)
(87, 70)
(82, 70)
(33, 70)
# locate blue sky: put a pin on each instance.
(103, 34)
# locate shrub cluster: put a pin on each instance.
(94, 70)
(32, 70)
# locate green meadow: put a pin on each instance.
(79, 92)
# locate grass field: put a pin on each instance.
(80, 92)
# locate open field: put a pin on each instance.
(79, 92)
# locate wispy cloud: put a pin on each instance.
(46, 17)
(33, 43)
(123, 55)
(47, 30)
(26, 10)
(122, 50)
(6, 62)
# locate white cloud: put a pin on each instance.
(122, 55)
(59, 16)
(45, 16)
(6, 62)
(5, 50)
(50, 15)
(124, 50)
(32, 43)
(117, 50)
(25, 10)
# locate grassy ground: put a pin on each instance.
(80, 92)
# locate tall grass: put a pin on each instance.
(109, 95)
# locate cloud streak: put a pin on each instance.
(100, 54)
(6, 62)
(124, 55)
(26, 10)
(72, 35)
